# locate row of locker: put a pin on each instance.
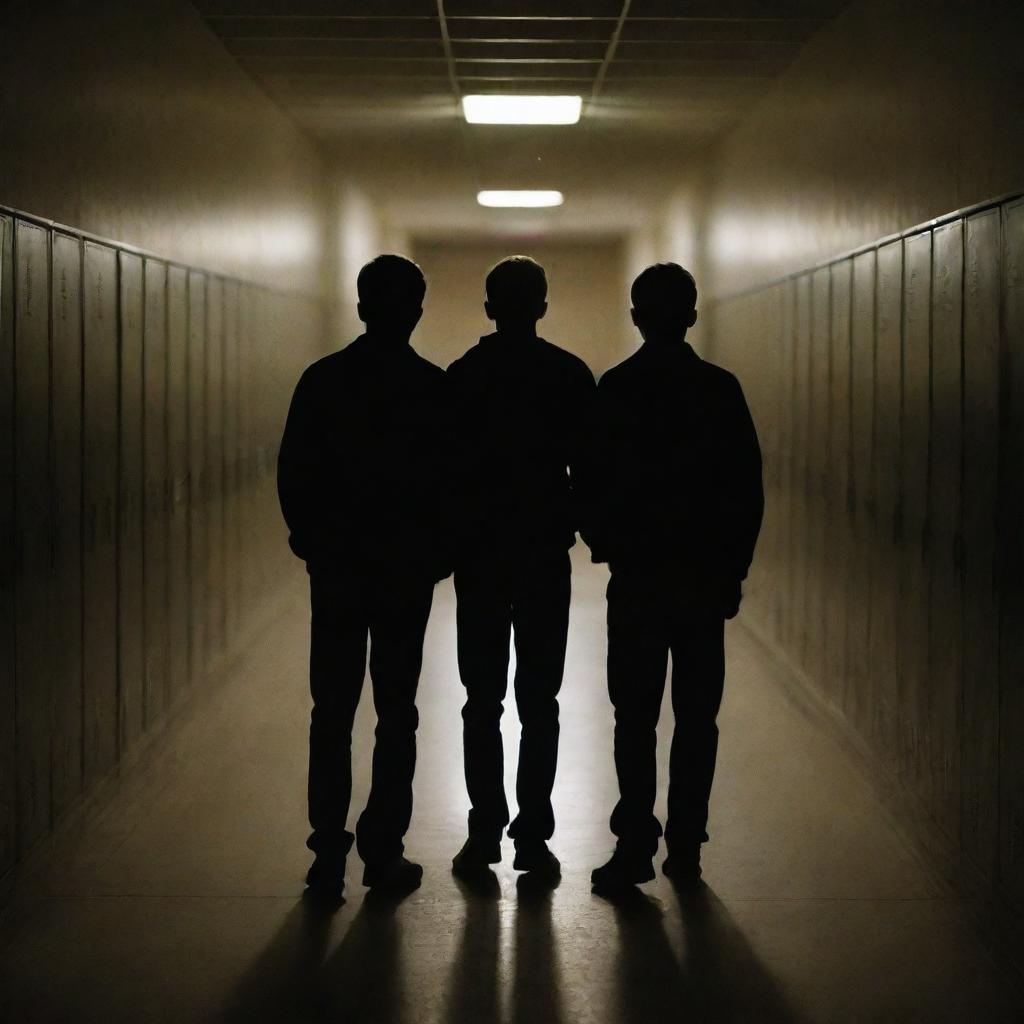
(142, 406)
(889, 392)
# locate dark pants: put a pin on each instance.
(646, 620)
(529, 598)
(346, 608)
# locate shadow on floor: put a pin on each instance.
(292, 981)
(718, 979)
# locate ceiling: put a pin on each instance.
(381, 79)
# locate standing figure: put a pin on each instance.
(362, 483)
(522, 407)
(678, 505)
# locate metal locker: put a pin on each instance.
(801, 469)
(917, 743)
(34, 632)
(8, 702)
(66, 371)
(197, 475)
(1011, 709)
(784, 568)
(838, 553)
(157, 490)
(214, 462)
(230, 543)
(178, 485)
(885, 619)
(100, 441)
(945, 495)
(131, 658)
(862, 387)
(979, 798)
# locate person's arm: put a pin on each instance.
(581, 450)
(594, 528)
(299, 468)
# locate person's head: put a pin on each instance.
(517, 291)
(391, 291)
(664, 299)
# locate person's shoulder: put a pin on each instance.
(718, 376)
(621, 374)
(428, 369)
(564, 359)
(467, 361)
(326, 366)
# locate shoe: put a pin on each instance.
(325, 880)
(622, 873)
(395, 875)
(682, 869)
(538, 860)
(475, 856)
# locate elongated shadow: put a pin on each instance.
(536, 985)
(474, 994)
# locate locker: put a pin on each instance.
(1011, 711)
(231, 482)
(981, 636)
(34, 632)
(100, 493)
(131, 645)
(66, 729)
(246, 453)
(214, 462)
(178, 485)
(801, 434)
(862, 387)
(837, 536)
(917, 742)
(885, 618)
(818, 552)
(8, 844)
(198, 491)
(784, 566)
(155, 525)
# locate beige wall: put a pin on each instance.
(586, 297)
(131, 121)
(896, 113)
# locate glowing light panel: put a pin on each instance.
(521, 198)
(522, 109)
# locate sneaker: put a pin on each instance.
(537, 859)
(622, 873)
(325, 880)
(475, 856)
(395, 875)
(682, 868)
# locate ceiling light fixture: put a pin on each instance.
(519, 198)
(522, 109)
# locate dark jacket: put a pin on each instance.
(678, 465)
(363, 470)
(522, 413)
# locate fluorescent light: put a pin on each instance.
(522, 109)
(531, 198)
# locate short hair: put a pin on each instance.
(664, 290)
(391, 281)
(516, 284)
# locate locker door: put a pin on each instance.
(945, 490)
(197, 475)
(131, 663)
(885, 620)
(35, 662)
(8, 534)
(99, 416)
(155, 519)
(214, 460)
(981, 427)
(786, 399)
(66, 739)
(862, 389)
(801, 467)
(1011, 711)
(178, 485)
(231, 482)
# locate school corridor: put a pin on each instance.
(187, 194)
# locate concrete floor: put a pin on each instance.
(180, 901)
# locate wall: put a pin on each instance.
(586, 297)
(143, 395)
(887, 389)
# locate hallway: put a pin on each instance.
(181, 901)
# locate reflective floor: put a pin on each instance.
(180, 902)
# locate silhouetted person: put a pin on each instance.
(522, 408)
(362, 480)
(677, 512)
